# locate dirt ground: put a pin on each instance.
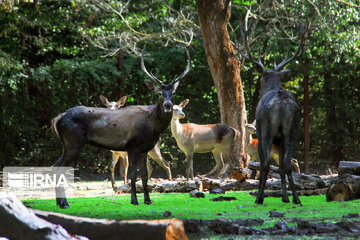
(80, 189)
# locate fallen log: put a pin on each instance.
(164, 186)
(349, 167)
(111, 229)
(345, 189)
(209, 183)
(278, 193)
(241, 174)
(273, 171)
(302, 182)
(19, 222)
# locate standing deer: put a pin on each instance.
(193, 138)
(135, 129)
(277, 119)
(252, 147)
(154, 153)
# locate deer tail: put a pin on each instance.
(53, 124)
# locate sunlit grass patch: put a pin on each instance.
(182, 206)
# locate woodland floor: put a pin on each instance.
(96, 199)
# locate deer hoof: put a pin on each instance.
(134, 203)
(148, 202)
(62, 203)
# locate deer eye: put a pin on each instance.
(160, 94)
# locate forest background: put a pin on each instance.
(55, 55)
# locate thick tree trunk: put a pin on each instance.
(225, 70)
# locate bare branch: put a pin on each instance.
(346, 3)
(176, 27)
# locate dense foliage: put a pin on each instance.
(49, 63)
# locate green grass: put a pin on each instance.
(182, 206)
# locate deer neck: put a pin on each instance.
(176, 128)
(248, 139)
(269, 84)
(163, 118)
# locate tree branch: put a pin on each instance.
(346, 3)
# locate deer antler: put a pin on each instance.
(187, 70)
(244, 30)
(302, 34)
(150, 75)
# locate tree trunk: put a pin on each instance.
(225, 70)
(306, 118)
(335, 131)
(120, 67)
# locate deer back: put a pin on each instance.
(115, 130)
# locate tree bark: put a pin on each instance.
(306, 118)
(349, 167)
(19, 222)
(110, 229)
(225, 70)
(120, 67)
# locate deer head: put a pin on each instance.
(250, 128)
(178, 110)
(113, 105)
(165, 91)
(271, 79)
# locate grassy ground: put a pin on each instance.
(182, 206)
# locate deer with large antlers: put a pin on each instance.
(135, 129)
(277, 118)
(154, 153)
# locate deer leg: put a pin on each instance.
(287, 159)
(264, 154)
(289, 143)
(133, 160)
(68, 156)
(282, 168)
(189, 167)
(149, 167)
(144, 177)
(156, 156)
(218, 166)
(125, 160)
(115, 158)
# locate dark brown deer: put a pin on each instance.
(277, 119)
(135, 129)
(154, 153)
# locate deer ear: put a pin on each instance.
(122, 101)
(175, 86)
(285, 74)
(184, 103)
(104, 100)
(254, 122)
(152, 86)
